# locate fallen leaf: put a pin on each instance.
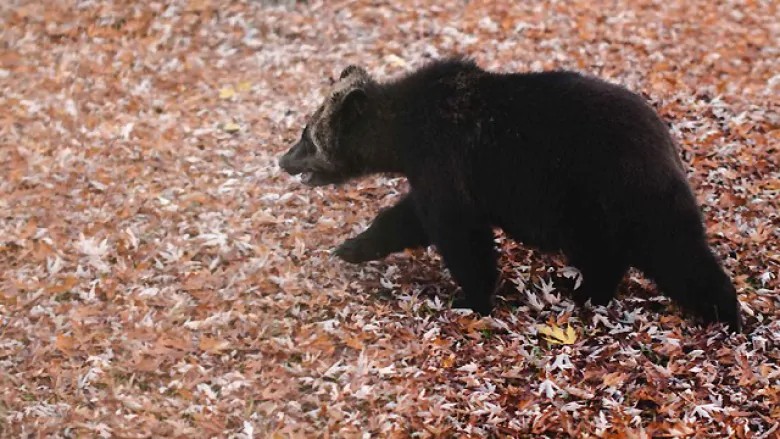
(556, 335)
(614, 379)
(273, 393)
(65, 343)
(396, 60)
(213, 345)
(146, 364)
(68, 283)
(231, 127)
(354, 343)
(29, 229)
(226, 93)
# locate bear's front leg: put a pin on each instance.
(393, 230)
(466, 245)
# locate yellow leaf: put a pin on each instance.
(231, 127)
(396, 60)
(226, 93)
(244, 86)
(556, 335)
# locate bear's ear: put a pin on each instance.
(353, 70)
(353, 106)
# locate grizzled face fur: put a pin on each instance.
(328, 151)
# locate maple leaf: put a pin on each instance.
(548, 389)
(561, 362)
(557, 335)
(572, 273)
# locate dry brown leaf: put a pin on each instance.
(65, 343)
(614, 379)
(354, 343)
(66, 284)
(213, 345)
(158, 127)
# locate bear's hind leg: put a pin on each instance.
(393, 230)
(601, 275)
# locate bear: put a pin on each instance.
(558, 160)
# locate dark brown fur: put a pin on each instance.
(558, 160)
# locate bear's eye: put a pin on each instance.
(309, 135)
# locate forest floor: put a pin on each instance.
(159, 275)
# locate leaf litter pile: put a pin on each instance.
(159, 275)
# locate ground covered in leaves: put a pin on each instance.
(159, 276)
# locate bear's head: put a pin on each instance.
(329, 150)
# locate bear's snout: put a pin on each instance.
(292, 161)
